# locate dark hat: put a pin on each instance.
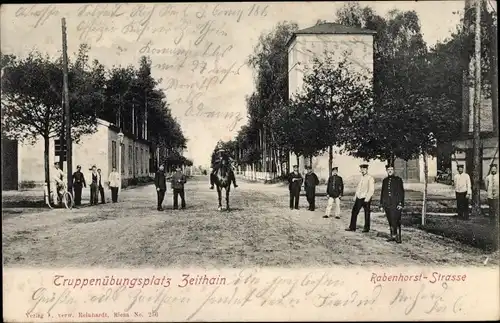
(335, 168)
(56, 163)
(78, 166)
(460, 166)
(308, 167)
(389, 166)
(295, 166)
(363, 166)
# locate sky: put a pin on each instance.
(198, 50)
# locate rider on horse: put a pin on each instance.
(221, 155)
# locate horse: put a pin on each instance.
(222, 181)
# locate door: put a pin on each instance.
(9, 165)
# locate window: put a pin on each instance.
(113, 154)
(122, 159)
(142, 161)
(136, 159)
(130, 159)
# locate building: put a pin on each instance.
(357, 45)
(23, 163)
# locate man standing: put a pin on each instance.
(114, 183)
(463, 190)
(362, 199)
(57, 183)
(491, 183)
(178, 180)
(101, 187)
(78, 182)
(392, 200)
(310, 182)
(94, 185)
(161, 186)
(294, 185)
(334, 191)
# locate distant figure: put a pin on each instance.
(94, 186)
(178, 180)
(463, 191)
(294, 185)
(362, 199)
(161, 186)
(310, 183)
(58, 184)
(392, 199)
(335, 191)
(491, 183)
(114, 184)
(220, 157)
(78, 182)
(100, 186)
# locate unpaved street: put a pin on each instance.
(260, 230)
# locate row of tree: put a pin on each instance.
(128, 97)
(413, 102)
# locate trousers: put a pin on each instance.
(331, 202)
(393, 217)
(462, 205)
(161, 196)
(77, 189)
(179, 192)
(294, 198)
(114, 194)
(311, 198)
(358, 205)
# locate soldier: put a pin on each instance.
(294, 185)
(392, 200)
(78, 182)
(177, 181)
(310, 182)
(491, 183)
(362, 199)
(463, 192)
(334, 190)
(220, 156)
(161, 186)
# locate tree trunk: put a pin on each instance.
(424, 197)
(46, 162)
(297, 157)
(330, 160)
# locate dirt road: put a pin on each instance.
(260, 230)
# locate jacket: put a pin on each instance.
(178, 180)
(161, 180)
(335, 186)
(393, 193)
(114, 179)
(310, 181)
(294, 185)
(79, 179)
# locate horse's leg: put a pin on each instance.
(219, 194)
(228, 189)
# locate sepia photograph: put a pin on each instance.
(194, 150)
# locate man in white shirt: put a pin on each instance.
(491, 183)
(362, 199)
(57, 182)
(114, 183)
(463, 191)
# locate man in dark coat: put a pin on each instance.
(335, 191)
(220, 156)
(101, 186)
(392, 199)
(294, 186)
(94, 186)
(310, 183)
(161, 186)
(78, 183)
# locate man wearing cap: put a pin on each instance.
(310, 183)
(94, 186)
(491, 183)
(161, 186)
(78, 182)
(58, 183)
(463, 191)
(294, 185)
(334, 191)
(220, 156)
(362, 199)
(392, 200)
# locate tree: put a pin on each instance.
(32, 98)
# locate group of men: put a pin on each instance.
(391, 197)
(177, 181)
(78, 183)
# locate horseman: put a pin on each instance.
(220, 156)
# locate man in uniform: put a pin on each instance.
(100, 186)
(491, 183)
(362, 199)
(392, 200)
(334, 191)
(294, 186)
(220, 156)
(58, 183)
(177, 181)
(310, 182)
(161, 186)
(78, 182)
(463, 191)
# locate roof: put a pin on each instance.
(331, 28)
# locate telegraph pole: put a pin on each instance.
(67, 112)
(476, 185)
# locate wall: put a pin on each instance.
(490, 146)
(135, 162)
(30, 161)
